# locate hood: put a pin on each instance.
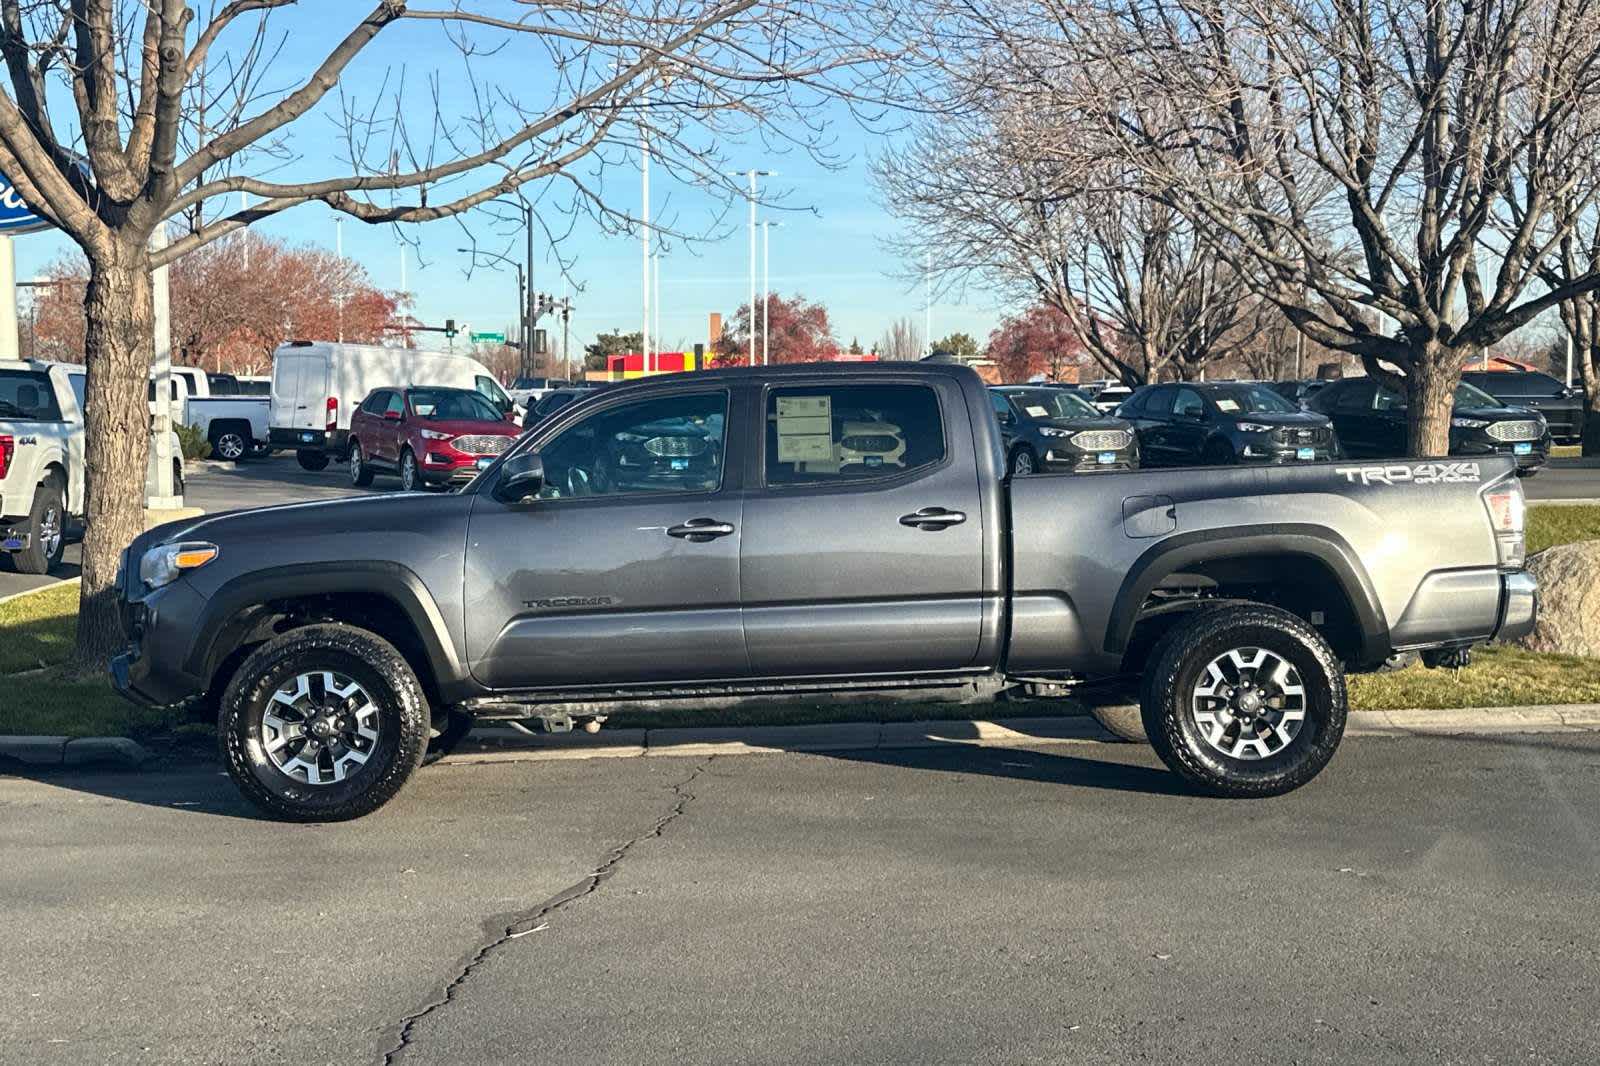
(1087, 422)
(353, 515)
(1498, 413)
(1279, 418)
(461, 427)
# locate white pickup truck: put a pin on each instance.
(235, 424)
(41, 461)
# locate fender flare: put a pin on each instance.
(226, 622)
(1185, 549)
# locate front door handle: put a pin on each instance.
(700, 530)
(932, 519)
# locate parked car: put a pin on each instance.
(1371, 422)
(1217, 423)
(42, 473)
(1108, 399)
(317, 385)
(1562, 407)
(1046, 430)
(428, 436)
(1299, 393)
(527, 391)
(755, 562)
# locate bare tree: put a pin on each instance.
(1024, 216)
(1578, 256)
(1386, 173)
(169, 116)
(902, 341)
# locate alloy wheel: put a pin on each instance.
(230, 446)
(50, 531)
(320, 727)
(1249, 703)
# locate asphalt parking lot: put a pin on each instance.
(280, 480)
(1425, 900)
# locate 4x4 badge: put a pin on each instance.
(1420, 474)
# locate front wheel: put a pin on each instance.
(323, 724)
(1244, 701)
(1218, 453)
(311, 460)
(1022, 462)
(410, 477)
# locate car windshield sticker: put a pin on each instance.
(1038, 412)
(805, 429)
(1227, 405)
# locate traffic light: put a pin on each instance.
(450, 328)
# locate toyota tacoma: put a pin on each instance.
(811, 529)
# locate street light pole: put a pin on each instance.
(767, 225)
(752, 174)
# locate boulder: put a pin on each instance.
(1569, 600)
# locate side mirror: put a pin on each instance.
(1007, 418)
(393, 416)
(522, 476)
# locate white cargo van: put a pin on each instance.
(317, 385)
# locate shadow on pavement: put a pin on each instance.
(1030, 764)
(193, 787)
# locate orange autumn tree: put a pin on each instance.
(233, 303)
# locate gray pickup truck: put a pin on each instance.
(811, 529)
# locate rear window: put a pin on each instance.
(829, 434)
(27, 395)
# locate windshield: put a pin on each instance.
(1053, 403)
(1472, 396)
(452, 405)
(1251, 399)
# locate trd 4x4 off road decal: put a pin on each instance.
(1409, 474)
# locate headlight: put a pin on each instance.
(1253, 427)
(162, 566)
(1051, 431)
(1468, 423)
(434, 434)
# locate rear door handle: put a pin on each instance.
(932, 519)
(700, 530)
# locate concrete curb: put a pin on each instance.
(41, 588)
(509, 745)
(116, 752)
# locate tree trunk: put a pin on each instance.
(118, 349)
(1589, 373)
(1430, 398)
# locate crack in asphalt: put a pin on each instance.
(525, 921)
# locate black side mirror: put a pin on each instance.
(522, 476)
(1007, 418)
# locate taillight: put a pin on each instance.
(8, 445)
(333, 413)
(1507, 517)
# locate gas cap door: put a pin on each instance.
(1149, 516)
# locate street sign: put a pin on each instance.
(488, 337)
(15, 214)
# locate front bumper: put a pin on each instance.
(1065, 460)
(437, 469)
(1272, 453)
(161, 626)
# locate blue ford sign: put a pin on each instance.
(15, 214)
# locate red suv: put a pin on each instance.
(429, 436)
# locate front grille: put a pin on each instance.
(1515, 431)
(1102, 440)
(870, 442)
(482, 443)
(1304, 435)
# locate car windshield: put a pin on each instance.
(1250, 399)
(1472, 396)
(1053, 403)
(455, 405)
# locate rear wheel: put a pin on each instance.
(1244, 701)
(47, 523)
(230, 443)
(360, 473)
(1023, 462)
(310, 459)
(323, 724)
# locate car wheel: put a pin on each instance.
(1244, 701)
(360, 473)
(47, 521)
(1123, 721)
(409, 475)
(178, 484)
(1022, 462)
(229, 445)
(1218, 453)
(323, 724)
(311, 460)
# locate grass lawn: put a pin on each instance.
(38, 629)
(1498, 677)
(1549, 526)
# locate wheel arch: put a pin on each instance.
(384, 597)
(1306, 560)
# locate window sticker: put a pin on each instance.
(805, 429)
(1227, 405)
(1036, 411)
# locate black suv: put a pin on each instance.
(1562, 407)
(1047, 429)
(1371, 421)
(1213, 423)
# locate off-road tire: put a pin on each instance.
(311, 459)
(1174, 669)
(448, 733)
(36, 558)
(1125, 721)
(361, 472)
(363, 656)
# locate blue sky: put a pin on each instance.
(827, 248)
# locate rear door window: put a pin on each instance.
(1189, 404)
(830, 434)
